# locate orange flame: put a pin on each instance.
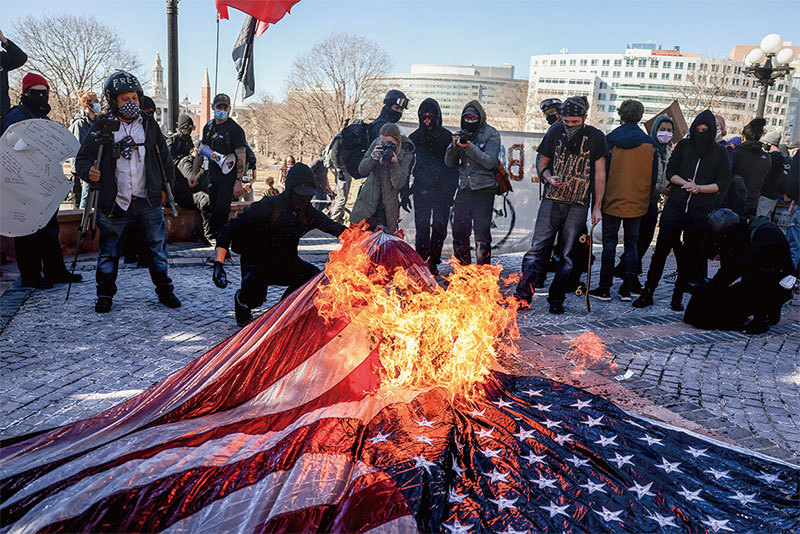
(426, 336)
(589, 349)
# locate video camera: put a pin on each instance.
(104, 130)
(388, 149)
(463, 136)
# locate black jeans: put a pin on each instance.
(689, 253)
(257, 276)
(40, 250)
(630, 228)
(431, 213)
(220, 196)
(647, 229)
(473, 209)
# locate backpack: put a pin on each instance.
(736, 198)
(355, 143)
(503, 182)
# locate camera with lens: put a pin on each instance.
(463, 136)
(387, 152)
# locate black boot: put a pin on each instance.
(645, 299)
(676, 304)
(243, 314)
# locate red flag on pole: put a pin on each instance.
(265, 11)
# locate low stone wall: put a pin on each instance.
(186, 227)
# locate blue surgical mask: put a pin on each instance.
(96, 107)
(220, 115)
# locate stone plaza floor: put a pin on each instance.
(60, 361)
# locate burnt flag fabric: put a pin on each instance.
(284, 428)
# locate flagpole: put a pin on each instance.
(216, 62)
(235, 93)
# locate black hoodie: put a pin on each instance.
(752, 164)
(430, 171)
(707, 162)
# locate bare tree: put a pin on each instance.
(73, 53)
(512, 107)
(333, 81)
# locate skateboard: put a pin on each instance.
(584, 239)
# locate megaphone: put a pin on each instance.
(225, 163)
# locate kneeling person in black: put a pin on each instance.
(194, 197)
(267, 235)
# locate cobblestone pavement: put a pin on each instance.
(61, 361)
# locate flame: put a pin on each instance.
(589, 349)
(426, 336)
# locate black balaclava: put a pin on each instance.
(389, 100)
(36, 101)
(470, 120)
(702, 141)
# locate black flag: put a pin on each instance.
(243, 56)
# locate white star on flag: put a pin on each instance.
(669, 467)
(691, 495)
(522, 435)
(581, 404)
(577, 462)
(634, 423)
(503, 404)
(768, 478)
(651, 440)
(607, 441)
(697, 453)
(542, 407)
(621, 460)
(426, 423)
(534, 459)
(717, 474)
(510, 530)
(483, 433)
(424, 439)
(457, 528)
(716, 524)
(476, 413)
(490, 453)
(545, 482)
(592, 422)
(380, 438)
(608, 515)
(641, 491)
(556, 510)
(420, 461)
(496, 475)
(456, 497)
(457, 469)
(503, 503)
(663, 520)
(562, 438)
(742, 498)
(550, 424)
(592, 487)
(533, 392)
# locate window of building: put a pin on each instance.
(653, 63)
(678, 77)
(601, 96)
(614, 85)
(612, 96)
(629, 62)
(603, 85)
(563, 62)
(665, 75)
(642, 63)
(617, 62)
(594, 62)
(653, 75)
(612, 108)
(604, 73)
(583, 63)
(602, 107)
(667, 64)
(640, 74)
(606, 62)
(615, 74)
(714, 68)
(679, 64)
(691, 66)
(572, 62)
(628, 74)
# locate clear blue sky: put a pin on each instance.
(485, 32)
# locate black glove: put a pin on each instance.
(405, 202)
(220, 280)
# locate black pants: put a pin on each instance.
(689, 252)
(728, 307)
(258, 276)
(40, 251)
(630, 234)
(431, 213)
(473, 209)
(220, 196)
(197, 201)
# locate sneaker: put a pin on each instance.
(103, 304)
(635, 287)
(645, 299)
(601, 293)
(556, 308)
(169, 300)
(624, 294)
(243, 314)
(676, 303)
(671, 278)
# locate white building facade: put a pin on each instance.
(656, 78)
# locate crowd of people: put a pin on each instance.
(708, 196)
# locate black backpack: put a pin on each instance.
(355, 143)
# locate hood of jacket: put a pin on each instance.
(628, 135)
(657, 123)
(300, 173)
(474, 104)
(430, 105)
(708, 118)
(749, 146)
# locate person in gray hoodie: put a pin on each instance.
(474, 151)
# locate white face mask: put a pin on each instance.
(664, 137)
(719, 136)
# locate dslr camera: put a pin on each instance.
(463, 136)
(387, 151)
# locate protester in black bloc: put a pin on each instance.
(80, 126)
(751, 165)
(573, 167)
(130, 181)
(267, 234)
(632, 173)
(192, 194)
(394, 103)
(551, 107)
(225, 136)
(40, 252)
(386, 165)
(791, 184)
(699, 173)
(755, 277)
(474, 151)
(180, 143)
(434, 184)
(772, 188)
(11, 57)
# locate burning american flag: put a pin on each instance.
(369, 401)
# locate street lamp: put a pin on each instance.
(775, 66)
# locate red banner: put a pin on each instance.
(266, 11)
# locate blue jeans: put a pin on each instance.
(793, 236)
(148, 221)
(553, 217)
(610, 235)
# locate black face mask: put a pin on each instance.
(702, 140)
(390, 114)
(551, 119)
(36, 100)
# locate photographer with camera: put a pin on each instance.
(386, 164)
(474, 150)
(129, 179)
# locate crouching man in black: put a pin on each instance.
(754, 279)
(267, 235)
